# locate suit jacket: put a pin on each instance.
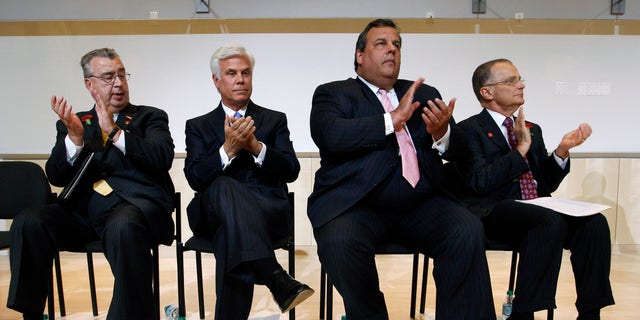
(205, 136)
(347, 125)
(141, 176)
(490, 170)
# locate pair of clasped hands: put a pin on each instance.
(75, 130)
(238, 135)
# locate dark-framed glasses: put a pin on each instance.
(110, 78)
(511, 81)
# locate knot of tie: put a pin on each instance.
(237, 115)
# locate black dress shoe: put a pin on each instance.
(287, 291)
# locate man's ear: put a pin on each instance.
(359, 54)
(88, 84)
(215, 80)
(486, 93)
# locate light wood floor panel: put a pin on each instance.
(395, 275)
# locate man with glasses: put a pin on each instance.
(123, 197)
(506, 160)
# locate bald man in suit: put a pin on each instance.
(507, 160)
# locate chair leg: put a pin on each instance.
(92, 284)
(550, 314)
(512, 274)
(180, 260)
(329, 299)
(156, 281)
(200, 283)
(414, 285)
(63, 311)
(50, 296)
(291, 250)
(323, 279)
(423, 291)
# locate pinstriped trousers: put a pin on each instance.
(433, 224)
(36, 233)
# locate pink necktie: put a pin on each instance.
(527, 183)
(410, 169)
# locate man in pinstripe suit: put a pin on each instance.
(361, 197)
(124, 197)
(239, 160)
(488, 180)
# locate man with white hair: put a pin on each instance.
(239, 161)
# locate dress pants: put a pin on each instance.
(435, 225)
(589, 241)
(36, 233)
(242, 219)
(538, 234)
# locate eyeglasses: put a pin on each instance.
(110, 78)
(512, 82)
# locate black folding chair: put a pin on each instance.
(202, 245)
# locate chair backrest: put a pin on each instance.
(23, 184)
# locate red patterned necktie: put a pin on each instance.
(527, 183)
(410, 169)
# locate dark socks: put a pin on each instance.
(589, 315)
(521, 316)
(264, 269)
(32, 316)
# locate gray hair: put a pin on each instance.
(85, 62)
(482, 74)
(226, 52)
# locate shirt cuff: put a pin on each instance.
(73, 151)
(120, 144)
(443, 143)
(561, 162)
(388, 124)
(224, 158)
(260, 157)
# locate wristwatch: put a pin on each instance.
(113, 133)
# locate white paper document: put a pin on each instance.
(568, 207)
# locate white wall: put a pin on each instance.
(172, 72)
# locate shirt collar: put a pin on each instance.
(230, 111)
(497, 117)
(374, 88)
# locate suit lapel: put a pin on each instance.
(491, 130)
(371, 98)
(126, 116)
(217, 120)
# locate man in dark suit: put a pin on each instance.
(506, 162)
(363, 196)
(124, 198)
(239, 160)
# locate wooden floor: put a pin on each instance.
(395, 275)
